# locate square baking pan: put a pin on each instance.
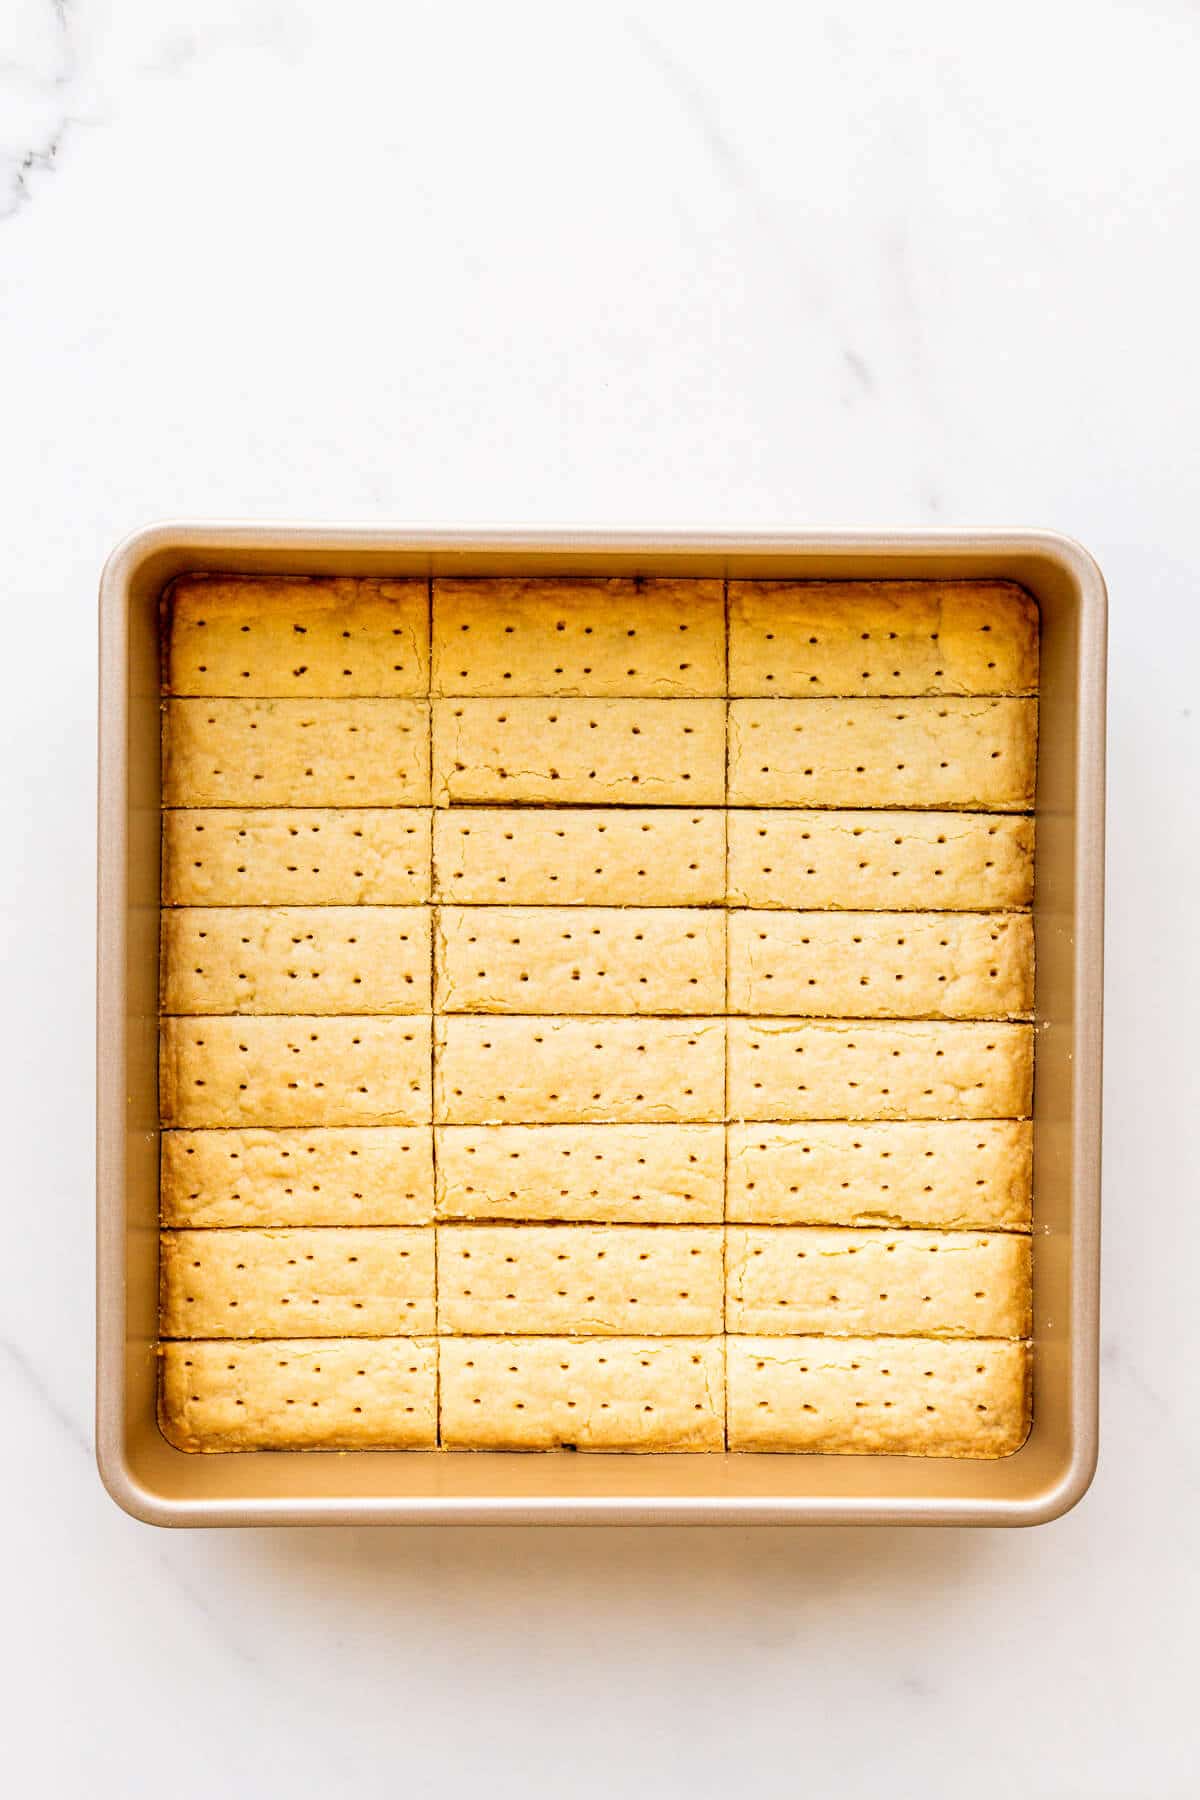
(165, 1486)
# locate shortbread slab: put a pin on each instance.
(903, 1396)
(784, 1279)
(295, 959)
(594, 752)
(848, 753)
(580, 959)
(568, 1393)
(300, 1394)
(503, 637)
(815, 638)
(347, 1175)
(506, 1071)
(636, 1174)
(294, 1071)
(951, 1173)
(378, 1282)
(305, 856)
(793, 1069)
(583, 1280)
(296, 753)
(891, 860)
(614, 856)
(870, 965)
(296, 635)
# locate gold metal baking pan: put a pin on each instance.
(157, 1483)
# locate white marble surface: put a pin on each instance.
(691, 264)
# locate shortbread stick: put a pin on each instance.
(858, 753)
(580, 959)
(332, 1175)
(589, 752)
(520, 1393)
(300, 636)
(789, 1279)
(633, 1174)
(817, 638)
(581, 1280)
(806, 1069)
(585, 856)
(300, 1394)
(327, 753)
(296, 856)
(294, 1071)
(507, 637)
(899, 1396)
(555, 1071)
(343, 1283)
(949, 1172)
